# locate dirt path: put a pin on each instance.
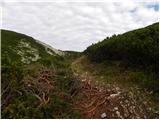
(109, 100)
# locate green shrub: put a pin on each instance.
(138, 48)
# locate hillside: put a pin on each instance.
(115, 78)
(35, 79)
(137, 49)
(130, 63)
(112, 91)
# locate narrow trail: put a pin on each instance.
(109, 100)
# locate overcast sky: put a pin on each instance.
(74, 26)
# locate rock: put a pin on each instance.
(116, 108)
(117, 88)
(119, 115)
(108, 90)
(114, 95)
(125, 115)
(100, 90)
(103, 115)
(126, 101)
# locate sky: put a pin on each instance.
(76, 25)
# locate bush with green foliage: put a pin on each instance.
(139, 48)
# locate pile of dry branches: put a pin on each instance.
(94, 98)
(93, 101)
(40, 85)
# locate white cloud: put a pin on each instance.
(74, 26)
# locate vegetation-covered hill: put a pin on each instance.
(35, 79)
(138, 49)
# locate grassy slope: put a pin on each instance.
(21, 82)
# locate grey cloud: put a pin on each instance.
(74, 26)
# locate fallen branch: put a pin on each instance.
(91, 103)
(97, 105)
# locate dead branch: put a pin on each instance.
(93, 102)
(98, 104)
(44, 99)
(6, 89)
(38, 97)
